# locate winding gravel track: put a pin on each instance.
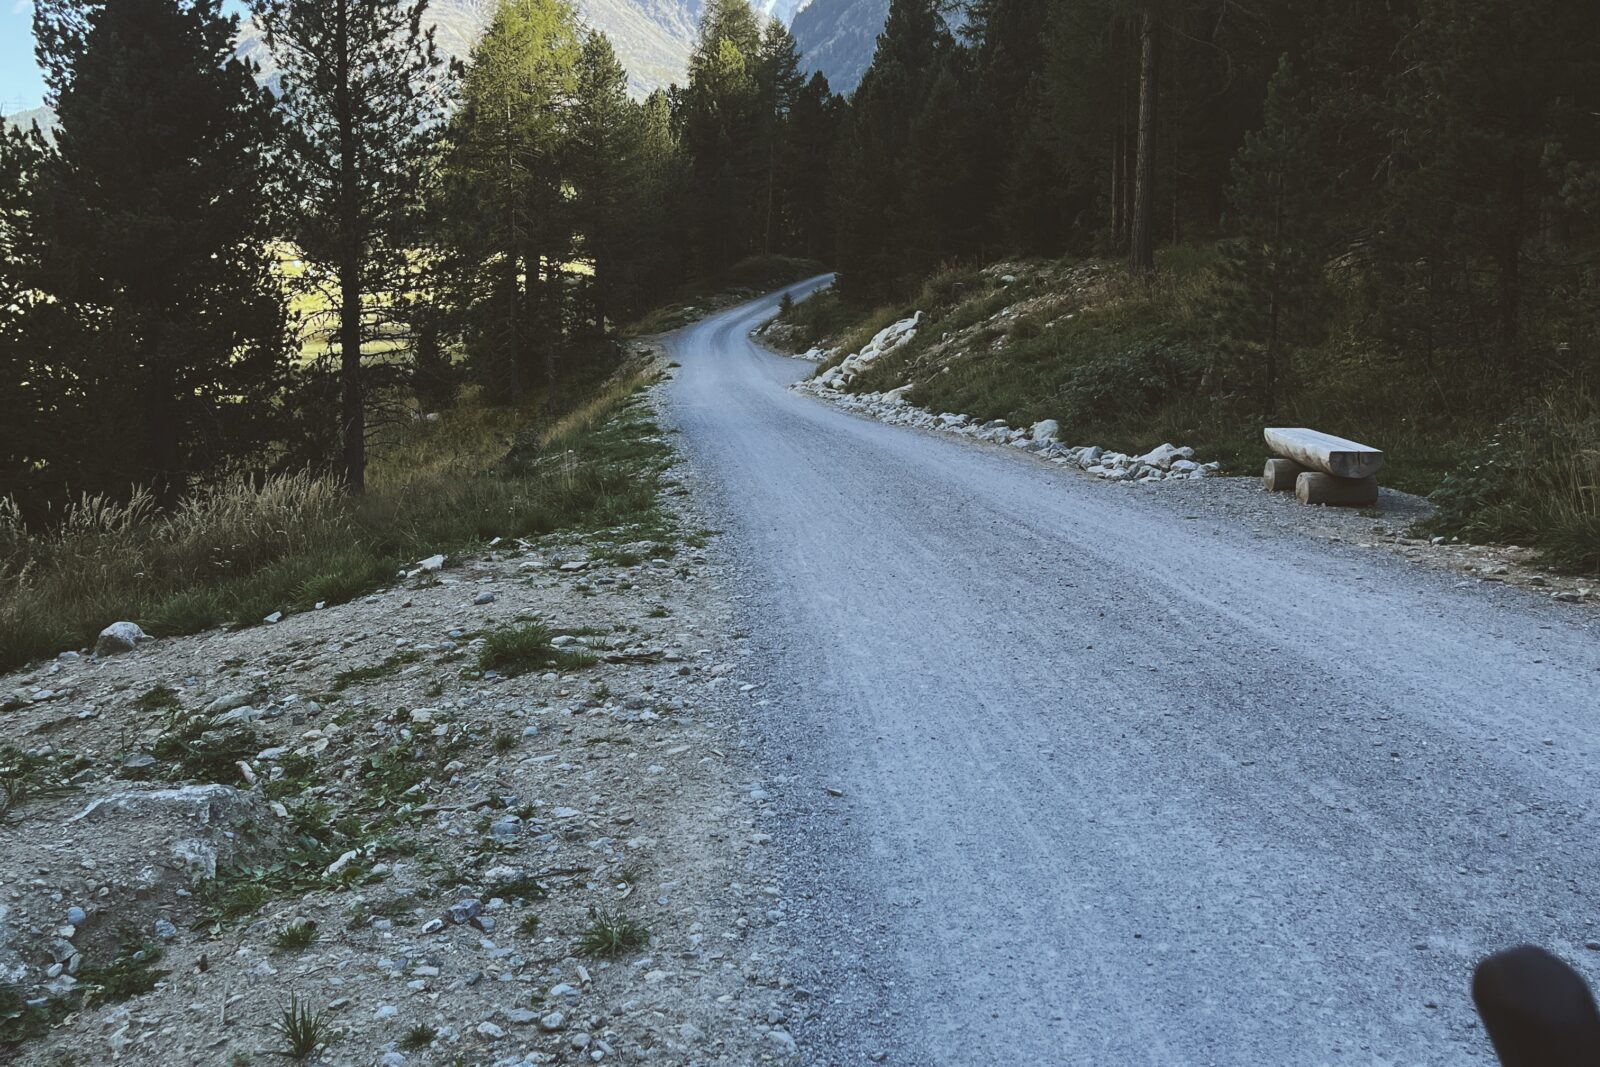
(1121, 785)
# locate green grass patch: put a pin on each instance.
(26, 776)
(611, 934)
(192, 750)
(515, 650)
(371, 673)
(158, 698)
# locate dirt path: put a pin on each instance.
(1073, 772)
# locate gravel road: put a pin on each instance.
(1063, 772)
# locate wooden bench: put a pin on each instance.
(1322, 468)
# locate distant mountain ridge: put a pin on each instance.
(653, 38)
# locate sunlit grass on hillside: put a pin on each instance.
(242, 550)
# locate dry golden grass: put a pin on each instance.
(239, 550)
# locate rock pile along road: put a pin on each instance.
(1071, 772)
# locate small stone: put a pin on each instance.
(552, 1022)
(392, 1059)
(782, 1039)
(491, 1030)
(485, 597)
(432, 563)
(165, 930)
(77, 916)
(386, 1012)
(463, 910)
(138, 761)
(273, 619)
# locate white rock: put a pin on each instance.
(118, 638)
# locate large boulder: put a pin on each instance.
(118, 638)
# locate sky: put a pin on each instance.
(21, 86)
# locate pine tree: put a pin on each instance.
(1275, 266)
(870, 202)
(605, 168)
(807, 167)
(150, 236)
(1486, 100)
(722, 124)
(779, 81)
(940, 217)
(507, 209)
(1008, 39)
(660, 240)
(362, 95)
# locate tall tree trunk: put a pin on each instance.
(541, 274)
(513, 298)
(160, 420)
(352, 403)
(772, 181)
(1116, 186)
(1141, 251)
(1509, 255)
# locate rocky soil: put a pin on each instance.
(434, 859)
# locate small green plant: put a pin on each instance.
(25, 777)
(302, 1030)
(296, 937)
(504, 742)
(359, 675)
(157, 698)
(529, 926)
(298, 771)
(419, 1037)
(193, 750)
(131, 973)
(611, 933)
(517, 650)
(658, 611)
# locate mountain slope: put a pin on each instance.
(42, 115)
(652, 37)
(838, 38)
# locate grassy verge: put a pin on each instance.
(1128, 365)
(240, 551)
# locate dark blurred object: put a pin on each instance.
(1538, 1011)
